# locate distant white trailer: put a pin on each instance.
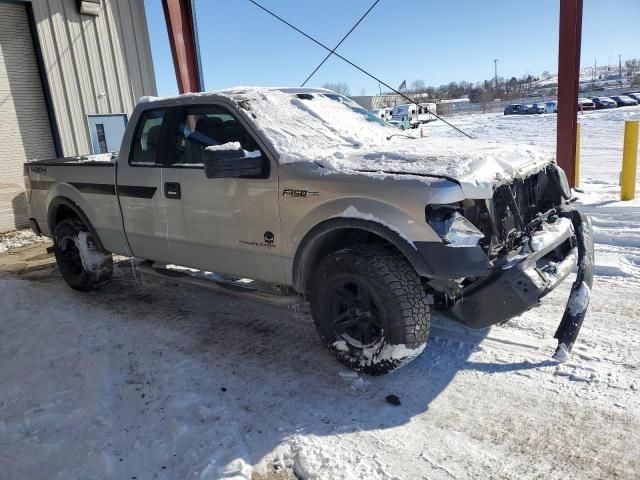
(413, 114)
(383, 113)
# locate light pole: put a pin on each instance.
(495, 67)
(620, 66)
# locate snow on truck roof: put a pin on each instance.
(321, 126)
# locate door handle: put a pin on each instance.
(172, 190)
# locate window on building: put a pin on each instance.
(102, 138)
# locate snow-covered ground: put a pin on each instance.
(142, 380)
(19, 238)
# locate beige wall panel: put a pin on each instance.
(25, 132)
(94, 64)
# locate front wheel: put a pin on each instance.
(370, 308)
(82, 264)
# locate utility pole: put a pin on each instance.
(570, 36)
(495, 67)
(620, 66)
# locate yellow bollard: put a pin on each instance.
(576, 161)
(629, 160)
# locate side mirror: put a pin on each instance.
(230, 160)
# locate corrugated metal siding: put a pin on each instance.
(94, 65)
(25, 132)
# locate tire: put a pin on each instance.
(370, 308)
(81, 263)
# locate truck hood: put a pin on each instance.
(478, 166)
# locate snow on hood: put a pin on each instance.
(475, 164)
(326, 131)
(331, 133)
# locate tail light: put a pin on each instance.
(27, 185)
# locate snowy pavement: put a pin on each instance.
(143, 380)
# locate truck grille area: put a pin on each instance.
(514, 206)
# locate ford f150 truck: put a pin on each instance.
(305, 189)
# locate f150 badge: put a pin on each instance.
(294, 192)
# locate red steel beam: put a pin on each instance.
(182, 38)
(568, 84)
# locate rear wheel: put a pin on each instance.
(82, 264)
(370, 308)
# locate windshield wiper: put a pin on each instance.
(401, 135)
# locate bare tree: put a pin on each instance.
(338, 87)
(417, 86)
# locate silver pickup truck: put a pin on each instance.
(304, 189)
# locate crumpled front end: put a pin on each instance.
(532, 239)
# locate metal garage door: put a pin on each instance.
(25, 132)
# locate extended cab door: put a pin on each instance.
(224, 225)
(139, 188)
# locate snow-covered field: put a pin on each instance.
(142, 380)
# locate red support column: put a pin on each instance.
(568, 80)
(182, 38)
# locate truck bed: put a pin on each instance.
(70, 180)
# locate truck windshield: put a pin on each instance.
(311, 124)
(355, 107)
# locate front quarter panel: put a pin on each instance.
(310, 195)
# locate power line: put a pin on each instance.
(354, 65)
(340, 43)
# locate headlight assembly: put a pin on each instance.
(452, 227)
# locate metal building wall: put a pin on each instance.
(25, 132)
(94, 64)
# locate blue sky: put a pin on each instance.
(435, 41)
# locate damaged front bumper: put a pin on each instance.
(520, 283)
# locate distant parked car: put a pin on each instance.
(551, 107)
(634, 95)
(624, 101)
(586, 104)
(604, 102)
(516, 109)
(537, 108)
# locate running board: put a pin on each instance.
(257, 292)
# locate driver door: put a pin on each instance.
(224, 225)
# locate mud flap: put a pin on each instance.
(578, 302)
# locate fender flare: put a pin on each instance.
(310, 243)
(58, 202)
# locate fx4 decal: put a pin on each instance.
(294, 192)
